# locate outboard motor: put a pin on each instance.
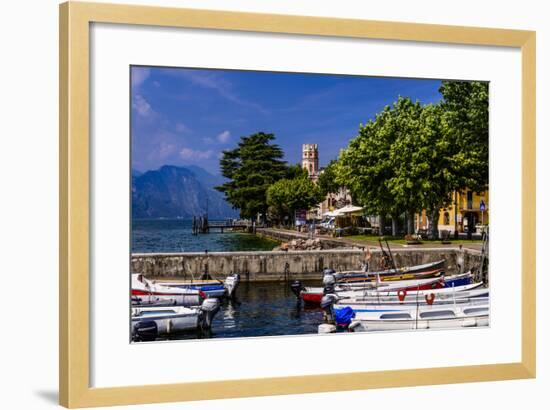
(231, 284)
(329, 279)
(296, 287)
(145, 331)
(328, 271)
(208, 310)
(327, 304)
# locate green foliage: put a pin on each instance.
(296, 171)
(408, 158)
(288, 195)
(465, 125)
(365, 165)
(412, 157)
(251, 168)
(327, 180)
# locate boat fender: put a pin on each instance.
(296, 287)
(430, 298)
(145, 331)
(402, 294)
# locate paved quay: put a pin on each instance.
(287, 235)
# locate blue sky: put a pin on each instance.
(188, 116)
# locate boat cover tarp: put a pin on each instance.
(343, 316)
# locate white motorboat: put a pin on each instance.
(406, 317)
(425, 317)
(450, 281)
(211, 288)
(313, 295)
(150, 322)
(424, 303)
(148, 292)
(442, 295)
(419, 292)
(346, 291)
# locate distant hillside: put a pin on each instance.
(178, 192)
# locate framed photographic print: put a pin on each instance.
(241, 189)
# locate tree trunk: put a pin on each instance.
(434, 220)
(394, 225)
(381, 224)
(410, 222)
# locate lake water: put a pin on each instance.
(175, 235)
(261, 309)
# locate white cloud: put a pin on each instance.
(139, 75)
(166, 149)
(224, 136)
(181, 127)
(142, 107)
(215, 81)
(191, 154)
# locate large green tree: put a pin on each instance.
(251, 168)
(295, 171)
(412, 157)
(423, 158)
(405, 184)
(289, 195)
(365, 167)
(327, 180)
(465, 126)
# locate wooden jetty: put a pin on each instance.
(201, 224)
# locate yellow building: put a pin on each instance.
(469, 211)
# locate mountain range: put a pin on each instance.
(178, 192)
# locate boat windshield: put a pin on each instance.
(395, 316)
(439, 314)
(156, 313)
(476, 311)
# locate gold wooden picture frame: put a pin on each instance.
(74, 382)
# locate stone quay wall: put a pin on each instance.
(289, 265)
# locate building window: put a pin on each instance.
(470, 200)
(446, 219)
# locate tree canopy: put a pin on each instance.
(251, 168)
(465, 117)
(412, 157)
(288, 195)
(327, 180)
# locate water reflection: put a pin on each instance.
(261, 309)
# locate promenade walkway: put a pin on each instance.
(346, 241)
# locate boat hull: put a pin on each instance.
(417, 269)
(168, 321)
(451, 323)
(471, 314)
